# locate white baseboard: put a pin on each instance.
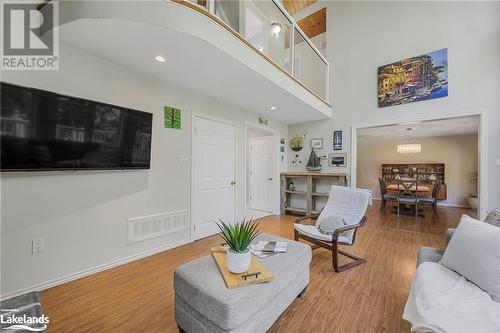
(452, 205)
(93, 270)
(441, 204)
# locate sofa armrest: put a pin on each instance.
(449, 233)
(429, 254)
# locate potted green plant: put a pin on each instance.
(238, 237)
(472, 198)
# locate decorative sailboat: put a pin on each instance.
(314, 163)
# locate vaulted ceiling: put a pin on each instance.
(314, 24)
(294, 6)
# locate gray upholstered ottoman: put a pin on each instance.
(203, 303)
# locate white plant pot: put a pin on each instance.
(473, 202)
(238, 262)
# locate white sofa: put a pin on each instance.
(442, 299)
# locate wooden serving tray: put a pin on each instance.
(237, 280)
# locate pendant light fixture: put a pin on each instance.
(409, 148)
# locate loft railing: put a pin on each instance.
(266, 26)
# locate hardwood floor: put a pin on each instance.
(138, 296)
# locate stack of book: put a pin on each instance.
(264, 249)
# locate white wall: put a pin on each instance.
(458, 153)
(83, 215)
(362, 36)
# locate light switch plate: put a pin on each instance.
(38, 245)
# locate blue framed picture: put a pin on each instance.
(337, 159)
(337, 140)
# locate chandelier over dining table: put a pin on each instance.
(409, 148)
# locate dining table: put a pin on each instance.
(403, 207)
(421, 188)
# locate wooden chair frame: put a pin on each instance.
(334, 244)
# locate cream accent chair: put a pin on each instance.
(348, 203)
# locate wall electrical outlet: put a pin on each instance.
(498, 161)
(38, 245)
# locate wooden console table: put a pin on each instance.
(308, 191)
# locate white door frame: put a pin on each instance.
(193, 174)
(482, 150)
(275, 155)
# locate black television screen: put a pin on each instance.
(41, 130)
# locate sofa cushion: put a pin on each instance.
(474, 252)
(443, 301)
(200, 284)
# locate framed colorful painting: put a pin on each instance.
(414, 79)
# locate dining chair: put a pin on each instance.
(432, 200)
(385, 195)
(408, 194)
(348, 203)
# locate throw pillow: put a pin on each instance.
(474, 253)
(493, 217)
(329, 224)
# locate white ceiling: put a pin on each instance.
(192, 64)
(425, 129)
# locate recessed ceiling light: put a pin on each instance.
(160, 59)
(272, 108)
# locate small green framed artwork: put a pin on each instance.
(172, 117)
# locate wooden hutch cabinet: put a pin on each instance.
(425, 173)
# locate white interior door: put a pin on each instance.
(261, 173)
(213, 175)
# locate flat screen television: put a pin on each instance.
(42, 131)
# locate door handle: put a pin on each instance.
(233, 182)
(269, 178)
